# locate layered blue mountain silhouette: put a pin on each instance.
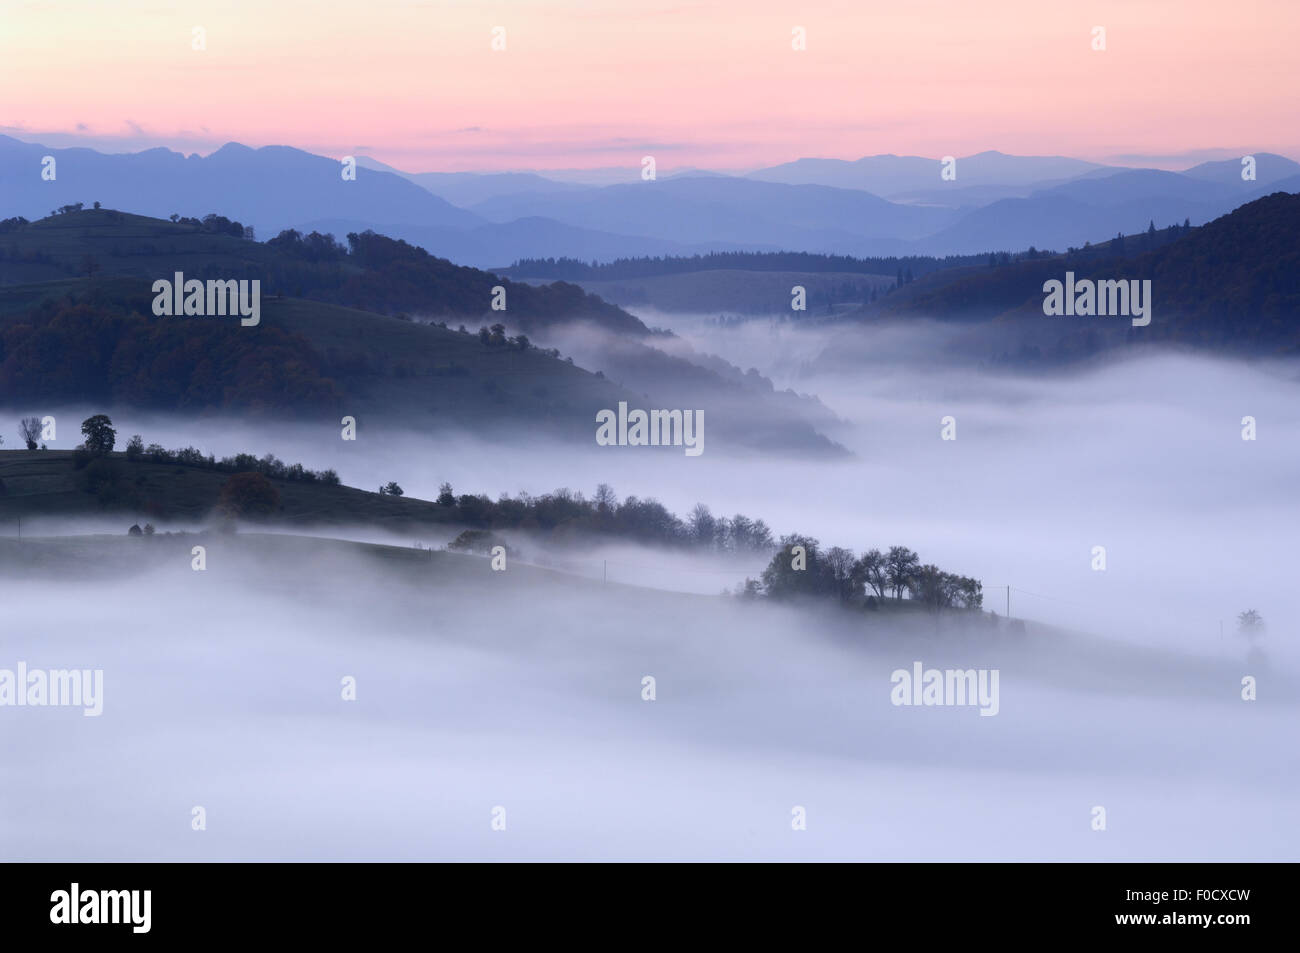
(878, 205)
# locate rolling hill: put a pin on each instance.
(1232, 286)
(381, 275)
(371, 328)
(35, 483)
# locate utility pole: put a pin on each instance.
(604, 570)
(1008, 602)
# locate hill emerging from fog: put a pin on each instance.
(1231, 286)
(381, 274)
(50, 483)
(378, 328)
(186, 489)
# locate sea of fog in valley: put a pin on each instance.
(222, 691)
(508, 689)
(1141, 456)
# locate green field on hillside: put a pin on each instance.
(120, 243)
(47, 483)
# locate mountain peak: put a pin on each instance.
(232, 149)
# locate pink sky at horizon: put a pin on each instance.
(586, 84)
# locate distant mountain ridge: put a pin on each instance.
(874, 206)
(889, 175)
(464, 189)
(272, 188)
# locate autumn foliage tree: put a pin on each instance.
(250, 496)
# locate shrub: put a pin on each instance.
(477, 541)
(249, 495)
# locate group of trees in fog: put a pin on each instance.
(495, 336)
(269, 465)
(801, 567)
(70, 208)
(1250, 623)
(571, 514)
(100, 438)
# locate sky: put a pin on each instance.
(598, 83)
